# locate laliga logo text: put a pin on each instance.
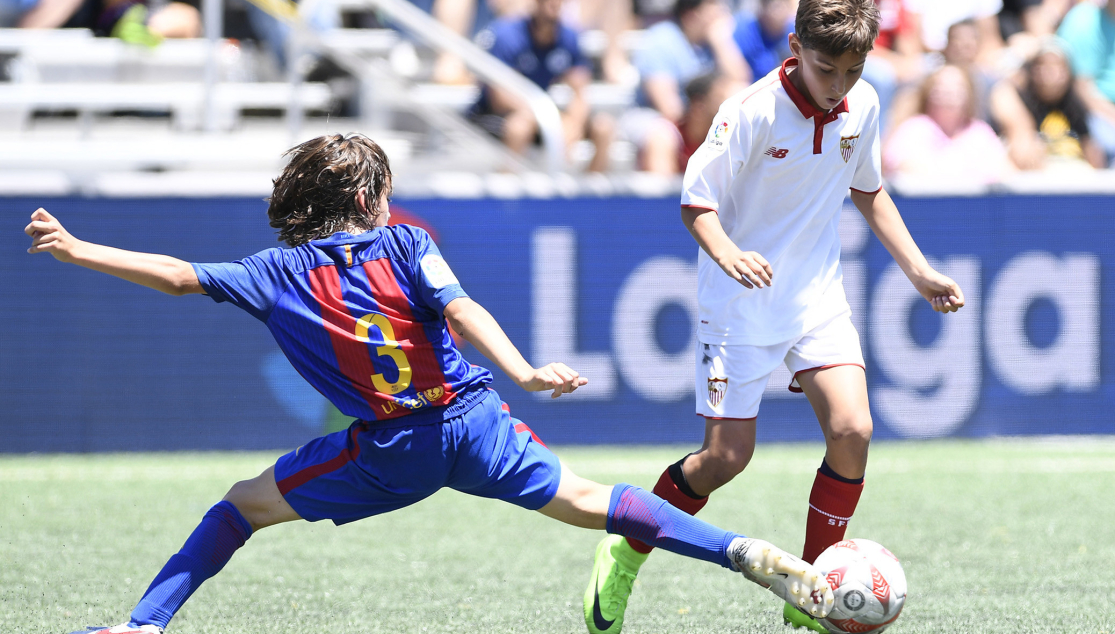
(991, 327)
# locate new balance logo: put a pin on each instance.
(777, 153)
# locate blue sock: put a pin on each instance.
(221, 532)
(642, 515)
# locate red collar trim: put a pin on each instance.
(807, 110)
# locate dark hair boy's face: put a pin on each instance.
(825, 79)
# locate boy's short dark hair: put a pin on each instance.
(315, 195)
(700, 86)
(681, 7)
(834, 27)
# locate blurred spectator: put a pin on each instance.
(1089, 35)
(897, 58)
(763, 37)
(697, 41)
(946, 142)
(1044, 121)
(961, 50)
(129, 20)
(12, 11)
(613, 18)
(1031, 18)
(651, 12)
(672, 53)
(670, 153)
(1024, 25)
(546, 51)
(704, 95)
(272, 28)
(466, 18)
(938, 15)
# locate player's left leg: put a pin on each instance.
(247, 507)
(839, 398)
(634, 512)
(497, 456)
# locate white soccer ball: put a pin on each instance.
(868, 585)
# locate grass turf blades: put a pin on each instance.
(995, 536)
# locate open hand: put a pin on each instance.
(943, 294)
(748, 268)
(49, 236)
(557, 377)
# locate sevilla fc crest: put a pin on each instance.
(847, 146)
(716, 390)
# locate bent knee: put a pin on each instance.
(259, 502)
(243, 495)
(721, 467)
(855, 429)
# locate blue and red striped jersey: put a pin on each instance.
(359, 316)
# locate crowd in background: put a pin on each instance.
(972, 91)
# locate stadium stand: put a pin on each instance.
(89, 115)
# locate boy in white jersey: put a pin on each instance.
(762, 197)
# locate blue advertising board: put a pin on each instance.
(91, 363)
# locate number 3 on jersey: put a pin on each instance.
(390, 349)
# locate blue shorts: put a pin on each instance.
(373, 468)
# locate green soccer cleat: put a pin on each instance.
(613, 576)
(796, 619)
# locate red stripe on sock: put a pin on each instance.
(667, 490)
(831, 505)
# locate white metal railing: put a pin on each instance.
(437, 36)
(212, 12)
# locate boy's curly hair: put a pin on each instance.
(315, 195)
(834, 27)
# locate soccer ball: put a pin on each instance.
(868, 586)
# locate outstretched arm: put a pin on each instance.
(479, 328)
(160, 272)
(882, 215)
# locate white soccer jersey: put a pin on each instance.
(777, 170)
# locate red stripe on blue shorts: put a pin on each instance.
(297, 479)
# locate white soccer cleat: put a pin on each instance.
(123, 628)
(793, 579)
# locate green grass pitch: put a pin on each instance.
(1003, 536)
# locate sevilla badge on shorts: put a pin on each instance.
(847, 146)
(716, 390)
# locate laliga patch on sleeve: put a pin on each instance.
(437, 271)
(717, 139)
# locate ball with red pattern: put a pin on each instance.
(868, 585)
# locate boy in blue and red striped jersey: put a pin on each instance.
(361, 310)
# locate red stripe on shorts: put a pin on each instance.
(523, 427)
(798, 390)
(297, 479)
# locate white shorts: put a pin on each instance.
(731, 378)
